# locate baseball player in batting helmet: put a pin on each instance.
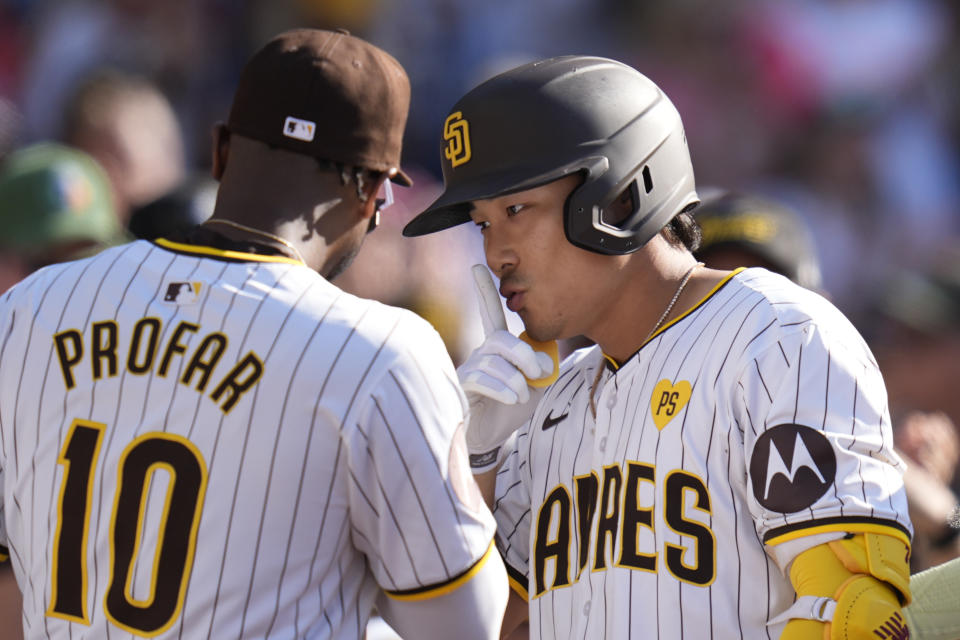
(720, 463)
(202, 437)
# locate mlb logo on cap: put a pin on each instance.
(299, 129)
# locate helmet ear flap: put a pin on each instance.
(611, 228)
(640, 188)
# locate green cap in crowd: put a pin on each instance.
(52, 195)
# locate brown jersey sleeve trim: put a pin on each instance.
(846, 524)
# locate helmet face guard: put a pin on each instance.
(573, 114)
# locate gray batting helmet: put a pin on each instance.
(571, 114)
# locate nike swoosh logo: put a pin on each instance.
(549, 422)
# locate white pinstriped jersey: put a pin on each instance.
(757, 417)
(201, 443)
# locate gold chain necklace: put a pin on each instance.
(663, 316)
(258, 232)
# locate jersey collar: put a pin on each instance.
(612, 363)
(223, 254)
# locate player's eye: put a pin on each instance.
(482, 224)
(514, 209)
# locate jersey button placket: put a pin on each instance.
(608, 400)
(612, 400)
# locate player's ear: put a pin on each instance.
(221, 148)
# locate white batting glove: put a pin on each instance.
(497, 379)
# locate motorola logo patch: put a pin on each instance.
(791, 468)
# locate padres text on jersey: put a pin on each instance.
(756, 418)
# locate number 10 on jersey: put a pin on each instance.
(176, 539)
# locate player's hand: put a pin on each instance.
(503, 378)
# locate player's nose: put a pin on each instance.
(501, 257)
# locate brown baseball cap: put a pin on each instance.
(326, 94)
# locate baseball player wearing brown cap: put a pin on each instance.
(201, 436)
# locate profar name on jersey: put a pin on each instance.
(142, 354)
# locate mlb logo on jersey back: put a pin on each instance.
(182, 292)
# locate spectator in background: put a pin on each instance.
(745, 230)
(107, 117)
(55, 205)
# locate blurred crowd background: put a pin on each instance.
(843, 115)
